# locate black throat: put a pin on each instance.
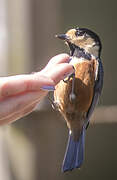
(79, 52)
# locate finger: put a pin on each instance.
(21, 83)
(60, 72)
(61, 58)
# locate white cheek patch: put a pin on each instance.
(76, 60)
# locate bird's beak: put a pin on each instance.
(63, 37)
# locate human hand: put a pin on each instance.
(21, 93)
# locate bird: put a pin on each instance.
(76, 96)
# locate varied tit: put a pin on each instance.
(77, 96)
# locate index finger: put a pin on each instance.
(58, 59)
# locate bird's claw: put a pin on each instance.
(66, 80)
(54, 104)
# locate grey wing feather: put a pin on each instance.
(97, 91)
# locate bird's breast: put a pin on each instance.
(83, 88)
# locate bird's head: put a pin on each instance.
(82, 38)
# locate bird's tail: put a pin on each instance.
(74, 155)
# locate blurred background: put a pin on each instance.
(33, 147)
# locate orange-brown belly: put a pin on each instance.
(84, 87)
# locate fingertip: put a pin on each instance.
(62, 70)
(61, 58)
(70, 68)
(63, 55)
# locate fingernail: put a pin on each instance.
(48, 88)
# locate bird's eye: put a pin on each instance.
(79, 33)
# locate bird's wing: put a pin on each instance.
(97, 90)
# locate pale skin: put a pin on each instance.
(21, 93)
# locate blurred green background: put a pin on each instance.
(33, 147)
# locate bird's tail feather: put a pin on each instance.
(74, 155)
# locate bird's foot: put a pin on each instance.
(67, 79)
(54, 104)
